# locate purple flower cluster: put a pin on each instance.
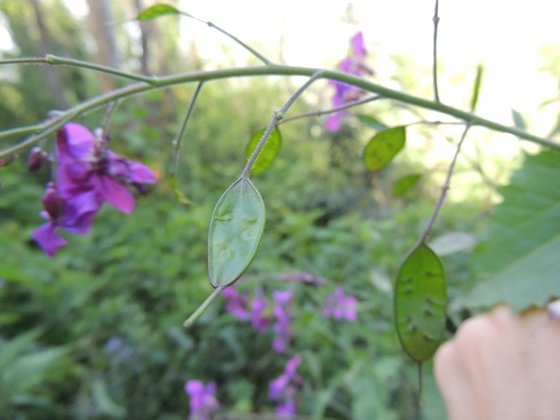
(283, 389)
(88, 175)
(202, 400)
(341, 306)
(353, 64)
(258, 312)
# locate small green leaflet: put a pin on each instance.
(405, 183)
(156, 11)
(518, 119)
(268, 153)
(420, 303)
(236, 228)
(476, 86)
(383, 147)
(372, 122)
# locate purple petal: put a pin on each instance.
(76, 141)
(116, 194)
(358, 47)
(48, 239)
(141, 174)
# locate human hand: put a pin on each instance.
(501, 366)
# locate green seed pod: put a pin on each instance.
(235, 231)
(420, 303)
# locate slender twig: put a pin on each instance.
(277, 116)
(321, 112)
(49, 127)
(62, 61)
(175, 154)
(435, 19)
(261, 57)
(203, 306)
(444, 189)
(108, 116)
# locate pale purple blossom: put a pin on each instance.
(236, 304)
(202, 399)
(283, 388)
(353, 64)
(282, 327)
(259, 307)
(554, 310)
(341, 306)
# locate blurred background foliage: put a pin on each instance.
(96, 331)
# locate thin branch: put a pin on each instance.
(108, 116)
(277, 116)
(435, 19)
(444, 188)
(261, 57)
(321, 112)
(203, 306)
(49, 127)
(62, 61)
(175, 154)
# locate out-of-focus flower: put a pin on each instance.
(303, 277)
(118, 350)
(282, 327)
(37, 157)
(75, 216)
(341, 306)
(259, 305)
(202, 400)
(283, 388)
(88, 174)
(353, 64)
(554, 310)
(236, 303)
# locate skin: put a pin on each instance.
(502, 366)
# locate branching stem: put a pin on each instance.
(45, 129)
(435, 19)
(444, 189)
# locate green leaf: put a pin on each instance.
(372, 122)
(420, 303)
(476, 86)
(518, 259)
(156, 11)
(103, 401)
(405, 183)
(235, 231)
(268, 153)
(518, 120)
(383, 147)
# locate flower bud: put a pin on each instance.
(36, 159)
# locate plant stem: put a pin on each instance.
(435, 19)
(261, 57)
(203, 306)
(179, 139)
(331, 110)
(276, 70)
(62, 61)
(444, 189)
(277, 116)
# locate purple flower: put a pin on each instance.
(282, 328)
(75, 216)
(236, 304)
(353, 64)
(86, 164)
(341, 306)
(259, 305)
(283, 388)
(37, 157)
(88, 174)
(202, 399)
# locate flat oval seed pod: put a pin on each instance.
(236, 228)
(420, 303)
(383, 147)
(268, 153)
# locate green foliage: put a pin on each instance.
(156, 11)
(268, 153)
(383, 147)
(235, 232)
(405, 183)
(517, 260)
